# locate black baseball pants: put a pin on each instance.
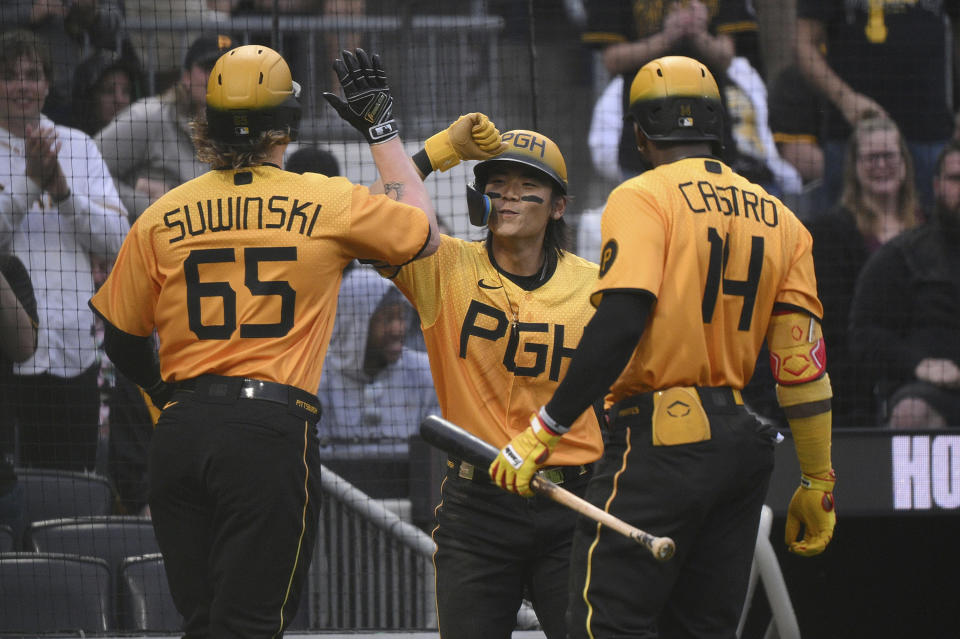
(707, 496)
(493, 548)
(235, 499)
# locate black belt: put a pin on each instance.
(556, 474)
(712, 397)
(226, 390)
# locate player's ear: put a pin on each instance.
(558, 205)
(640, 138)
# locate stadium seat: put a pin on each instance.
(49, 592)
(52, 494)
(111, 538)
(145, 602)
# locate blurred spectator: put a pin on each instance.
(374, 392)
(104, 84)
(312, 159)
(58, 206)
(161, 31)
(881, 58)
(905, 317)
(18, 341)
(606, 128)
(148, 148)
(633, 32)
(878, 202)
(796, 122)
(297, 46)
(67, 30)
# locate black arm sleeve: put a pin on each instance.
(133, 356)
(608, 341)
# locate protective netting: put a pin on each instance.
(840, 108)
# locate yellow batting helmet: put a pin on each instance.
(251, 91)
(676, 98)
(532, 149)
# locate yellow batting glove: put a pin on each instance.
(811, 507)
(471, 137)
(519, 460)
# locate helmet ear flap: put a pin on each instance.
(479, 206)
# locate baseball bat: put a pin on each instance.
(458, 443)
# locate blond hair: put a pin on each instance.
(235, 156)
(851, 196)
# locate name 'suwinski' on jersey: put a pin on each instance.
(717, 251)
(490, 378)
(239, 270)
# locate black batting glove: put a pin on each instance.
(368, 106)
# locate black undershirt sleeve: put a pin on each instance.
(133, 356)
(608, 341)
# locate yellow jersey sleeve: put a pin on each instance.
(634, 239)
(112, 300)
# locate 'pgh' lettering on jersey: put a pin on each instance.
(717, 252)
(490, 378)
(243, 270)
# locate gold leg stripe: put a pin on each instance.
(303, 524)
(596, 539)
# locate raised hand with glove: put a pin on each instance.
(471, 137)
(369, 105)
(526, 453)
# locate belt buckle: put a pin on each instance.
(466, 470)
(553, 474)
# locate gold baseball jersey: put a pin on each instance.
(717, 252)
(490, 375)
(239, 270)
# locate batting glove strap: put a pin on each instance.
(549, 423)
(824, 484)
(369, 105)
(811, 516)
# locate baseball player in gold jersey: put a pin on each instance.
(501, 318)
(699, 266)
(238, 271)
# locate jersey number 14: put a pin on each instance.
(716, 276)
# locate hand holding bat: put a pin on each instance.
(459, 443)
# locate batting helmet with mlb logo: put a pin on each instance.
(675, 98)
(251, 91)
